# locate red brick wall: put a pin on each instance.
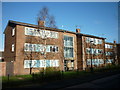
(110, 50)
(9, 40)
(82, 56)
(118, 53)
(2, 68)
(79, 53)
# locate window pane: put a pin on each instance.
(68, 44)
(47, 63)
(13, 47)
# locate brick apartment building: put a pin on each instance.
(30, 48)
(110, 53)
(90, 49)
(1, 56)
(118, 53)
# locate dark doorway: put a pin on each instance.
(68, 65)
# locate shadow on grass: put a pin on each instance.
(50, 75)
(13, 81)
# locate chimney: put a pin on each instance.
(114, 41)
(41, 23)
(77, 30)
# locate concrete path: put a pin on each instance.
(107, 82)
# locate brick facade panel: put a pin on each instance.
(2, 68)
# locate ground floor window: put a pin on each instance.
(109, 60)
(95, 61)
(41, 63)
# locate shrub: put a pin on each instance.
(49, 74)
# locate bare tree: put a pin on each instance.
(44, 15)
(52, 22)
(49, 21)
(43, 39)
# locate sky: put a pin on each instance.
(94, 18)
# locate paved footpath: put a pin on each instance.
(106, 82)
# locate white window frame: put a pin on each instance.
(43, 33)
(13, 47)
(13, 31)
(66, 53)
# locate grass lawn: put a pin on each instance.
(16, 80)
(20, 80)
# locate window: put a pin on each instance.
(88, 61)
(87, 39)
(26, 47)
(101, 61)
(38, 63)
(26, 63)
(68, 47)
(108, 46)
(105, 45)
(41, 33)
(109, 60)
(111, 46)
(34, 63)
(95, 61)
(99, 41)
(13, 47)
(93, 51)
(34, 47)
(30, 47)
(108, 53)
(95, 40)
(57, 63)
(47, 63)
(13, 31)
(48, 48)
(40, 48)
(56, 49)
(92, 39)
(42, 63)
(51, 49)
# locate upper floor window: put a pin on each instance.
(13, 47)
(68, 41)
(108, 53)
(13, 31)
(108, 46)
(40, 48)
(68, 47)
(94, 40)
(94, 51)
(41, 33)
